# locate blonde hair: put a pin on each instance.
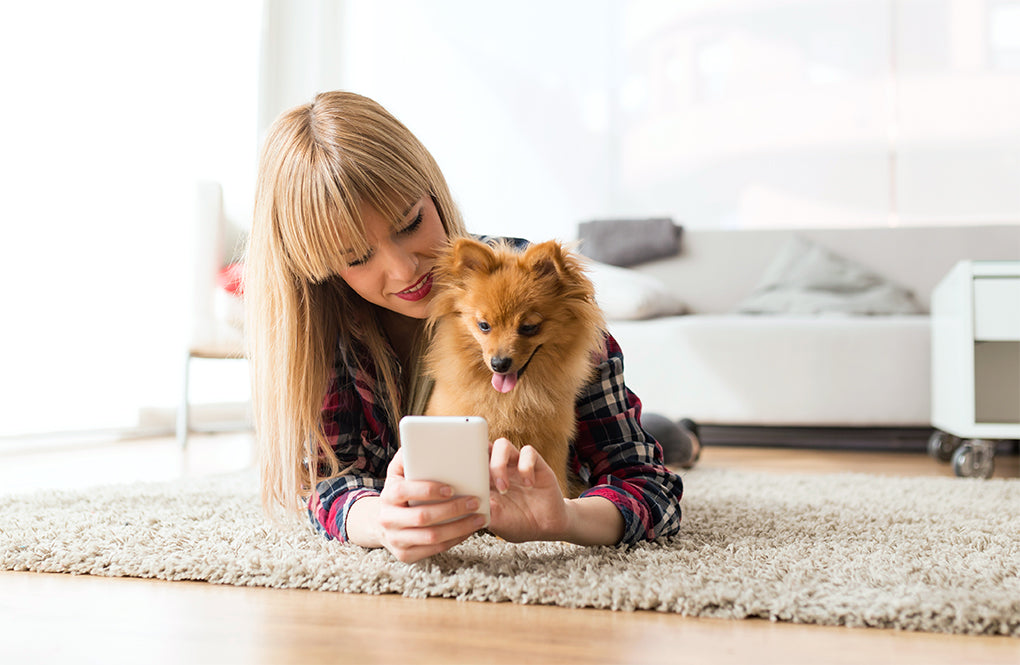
(320, 162)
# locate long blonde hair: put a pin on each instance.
(320, 162)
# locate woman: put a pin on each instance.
(350, 213)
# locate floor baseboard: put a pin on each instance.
(893, 439)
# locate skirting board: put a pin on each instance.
(898, 439)
(204, 418)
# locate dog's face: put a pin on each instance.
(510, 303)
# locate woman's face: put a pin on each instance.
(397, 272)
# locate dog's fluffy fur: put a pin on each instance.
(515, 338)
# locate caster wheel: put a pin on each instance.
(974, 459)
(942, 444)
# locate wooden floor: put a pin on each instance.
(62, 618)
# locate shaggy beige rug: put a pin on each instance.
(931, 554)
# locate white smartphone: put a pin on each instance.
(449, 449)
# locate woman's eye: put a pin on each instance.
(484, 327)
(357, 262)
(528, 330)
(413, 226)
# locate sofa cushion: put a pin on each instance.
(628, 242)
(806, 278)
(627, 295)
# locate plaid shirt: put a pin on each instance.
(611, 453)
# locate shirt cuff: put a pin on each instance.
(340, 520)
(635, 526)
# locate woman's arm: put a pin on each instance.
(625, 464)
(363, 446)
(594, 520)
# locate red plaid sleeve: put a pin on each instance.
(357, 431)
(621, 461)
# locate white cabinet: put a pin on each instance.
(975, 348)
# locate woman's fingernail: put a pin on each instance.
(501, 486)
(479, 521)
(446, 490)
(472, 504)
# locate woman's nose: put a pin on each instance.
(401, 265)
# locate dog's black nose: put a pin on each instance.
(500, 363)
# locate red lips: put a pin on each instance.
(419, 290)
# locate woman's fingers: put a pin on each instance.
(509, 465)
(396, 465)
(418, 552)
(399, 490)
(530, 459)
(409, 517)
(412, 544)
(403, 492)
(502, 459)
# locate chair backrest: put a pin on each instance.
(205, 259)
(215, 316)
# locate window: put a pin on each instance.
(723, 113)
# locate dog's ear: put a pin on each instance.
(472, 256)
(553, 262)
(546, 259)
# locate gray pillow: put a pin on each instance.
(806, 278)
(627, 242)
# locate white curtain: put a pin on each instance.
(112, 110)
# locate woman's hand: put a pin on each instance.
(412, 533)
(527, 503)
(525, 498)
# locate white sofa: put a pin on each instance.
(721, 368)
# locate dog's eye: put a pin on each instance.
(528, 330)
(484, 327)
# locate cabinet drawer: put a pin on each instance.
(996, 308)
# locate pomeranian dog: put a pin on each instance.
(515, 339)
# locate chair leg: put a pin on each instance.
(183, 425)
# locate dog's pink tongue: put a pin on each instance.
(504, 383)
